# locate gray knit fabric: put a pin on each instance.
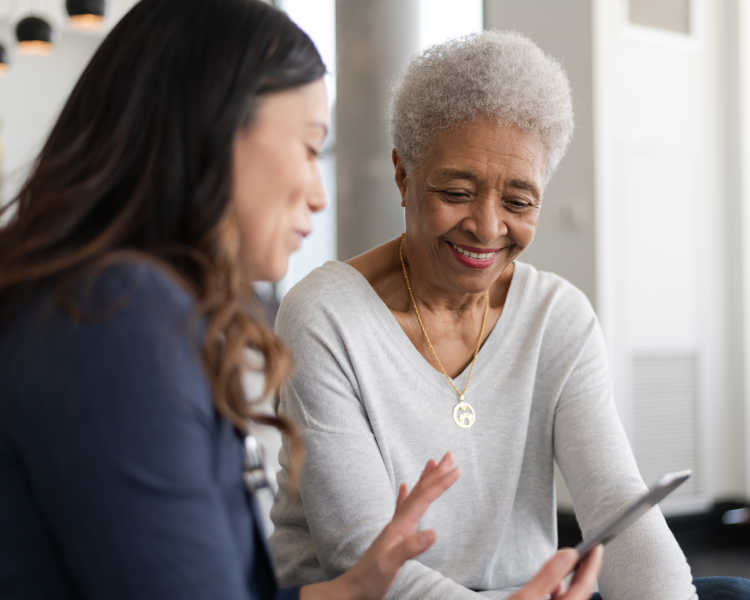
(371, 411)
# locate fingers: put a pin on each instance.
(549, 577)
(403, 492)
(586, 574)
(408, 548)
(432, 474)
(428, 468)
(428, 489)
(558, 591)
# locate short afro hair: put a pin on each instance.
(502, 75)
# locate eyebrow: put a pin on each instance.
(459, 174)
(319, 124)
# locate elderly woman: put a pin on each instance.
(441, 340)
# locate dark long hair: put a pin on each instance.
(139, 163)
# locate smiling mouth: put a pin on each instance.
(474, 255)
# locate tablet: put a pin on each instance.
(660, 490)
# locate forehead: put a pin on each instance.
(488, 150)
(301, 106)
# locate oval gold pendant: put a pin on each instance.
(463, 415)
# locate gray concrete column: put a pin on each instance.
(374, 40)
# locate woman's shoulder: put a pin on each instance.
(335, 291)
(133, 336)
(548, 292)
(103, 295)
(132, 286)
(119, 309)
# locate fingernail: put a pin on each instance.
(427, 536)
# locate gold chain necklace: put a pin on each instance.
(463, 413)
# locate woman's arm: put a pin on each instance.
(135, 476)
(597, 463)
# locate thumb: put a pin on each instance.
(552, 573)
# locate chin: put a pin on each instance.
(278, 271)
(271, 273)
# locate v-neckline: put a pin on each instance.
(490, 347)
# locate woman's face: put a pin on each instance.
(477, 193)
(276, 178)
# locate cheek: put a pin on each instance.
(263, 243)
(525, 228)
(265, 200)
(253, 228)
(432, 215)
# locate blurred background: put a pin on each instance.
(648, 214)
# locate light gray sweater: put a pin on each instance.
(371, 411)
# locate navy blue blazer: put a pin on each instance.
(118, 478)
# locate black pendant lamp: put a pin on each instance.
(35, 36)
(4, 62)
(86, 13)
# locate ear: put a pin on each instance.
(401, 177)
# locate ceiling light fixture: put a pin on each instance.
(35, 36)
(86, 14)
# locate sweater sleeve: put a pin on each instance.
(597, 463)
(346, 496)
(128, 460)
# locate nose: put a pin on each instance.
(317, 199)
(487, 220)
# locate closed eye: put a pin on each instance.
(457, 196)
(518, 204)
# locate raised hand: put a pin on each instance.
(375, 572)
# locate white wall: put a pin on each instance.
(666, 187)
(31, 96)
(35, 88)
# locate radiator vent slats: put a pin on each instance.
(672, 15)
(665, 434)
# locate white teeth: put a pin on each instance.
(480, 256)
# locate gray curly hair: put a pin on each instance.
(498, 74)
